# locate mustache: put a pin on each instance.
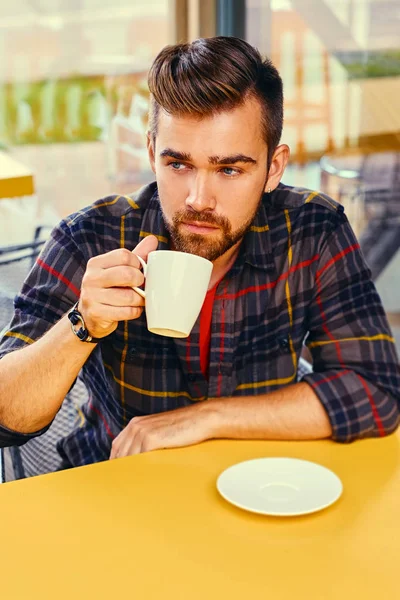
(194, 217)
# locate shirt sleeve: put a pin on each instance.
(356, 370)
(49, 291)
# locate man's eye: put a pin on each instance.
(230, 171)
(176, 165)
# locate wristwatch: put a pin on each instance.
(81, 333)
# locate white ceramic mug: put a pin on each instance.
(176, 286)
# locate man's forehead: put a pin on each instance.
(250, 108)
(235, 131)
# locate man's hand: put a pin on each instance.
(172, 429)
(107, 296)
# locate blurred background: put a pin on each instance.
(74, 101)
(73, 119)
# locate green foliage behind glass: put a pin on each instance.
(376, 64)
(64, 110)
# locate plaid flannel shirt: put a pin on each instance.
(299, 277)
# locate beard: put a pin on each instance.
(210, 246)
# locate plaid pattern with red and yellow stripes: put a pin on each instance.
(300, 278)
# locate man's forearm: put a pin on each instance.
(34, 380)
(291, 413)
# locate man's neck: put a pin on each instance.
(223, 264)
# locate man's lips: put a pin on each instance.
(199, 227)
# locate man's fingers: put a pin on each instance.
(116, 313)
(107, 296)
(123, 256)
(114, 448)
(117, 297)
(130, 447)
(121, 276)
(114, 258)
(134, 439)
(126, 446)
(147, 245)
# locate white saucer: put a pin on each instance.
(279, 486)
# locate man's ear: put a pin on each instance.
(151, 150)
(278, 165)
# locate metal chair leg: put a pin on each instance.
(17, 462)
(2, 471)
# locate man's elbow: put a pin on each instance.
(385, 417)
(11, 437)
(380, 418)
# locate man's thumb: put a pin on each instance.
(147, 245)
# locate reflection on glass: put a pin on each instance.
(73, 94)
(340, 63)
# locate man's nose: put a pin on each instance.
(201, 196)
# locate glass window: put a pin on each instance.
(73, 93)
(340, 64)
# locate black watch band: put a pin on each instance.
(81, 333)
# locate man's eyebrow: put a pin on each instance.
(231, 160)
(169, 152)
(213, 160)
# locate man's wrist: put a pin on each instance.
(213, 411)
(78, 326)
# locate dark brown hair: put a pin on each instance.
(214, 74)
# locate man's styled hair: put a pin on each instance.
(212, 75)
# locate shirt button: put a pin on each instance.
(192, 377)
(284, 342)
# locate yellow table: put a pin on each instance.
(15, 179)
(154, 527)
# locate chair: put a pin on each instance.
(16, 260)
(367, 184)
(39, 455)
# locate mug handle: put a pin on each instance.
(144, 265)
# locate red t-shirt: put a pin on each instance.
(205, 330)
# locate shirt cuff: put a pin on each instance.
(355, 406)
(8, 437)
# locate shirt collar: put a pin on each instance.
(256, 248)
